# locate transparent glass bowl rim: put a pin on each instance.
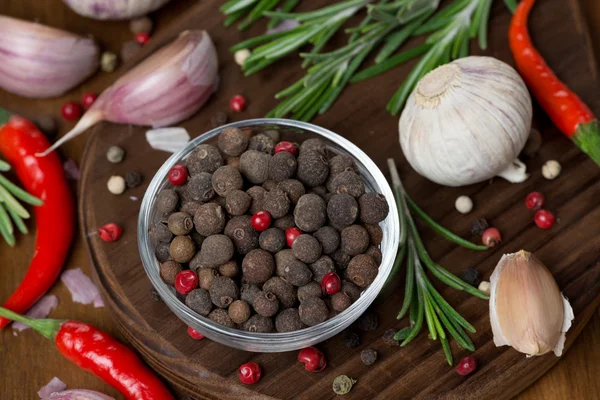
(270, 342)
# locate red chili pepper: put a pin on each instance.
(44, 178)
(568, 112)
(98, 352)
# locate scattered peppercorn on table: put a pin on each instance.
(30, 363)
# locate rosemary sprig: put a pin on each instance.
(253, 10)
(10, 208)
(421, 299)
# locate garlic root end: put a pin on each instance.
(88, 120)
(516, 172)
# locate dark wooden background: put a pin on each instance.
(30, 362)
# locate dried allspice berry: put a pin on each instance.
(255, 166)
(269, 185)
(272, 240)
(199, 188)
(180, 223)
(362, 270)
(340, 163)
(244, 236)
(239, 311)
(354, 240)
(259, 324)
(276, 203)
(322, 267)
(342, 210)
(221, 317)
(218, 119)
(233, 162)
(351, 339)
(351, 290)
(209, 219)
(215, 250)
(285, 292)
(169, 270)
(306, 248)
(223, 291)
(312, 169)
(226, 179)
(341, 258)
(368, 356)
(237, 202)
(190, 207)
(159, 232)
(375, 252)
(288, 321)
(284, 223)
(282, 166)
(314, 144)
(375, 233)
(204, 158)
(329, 238)
(206, 276)
(348, 182)
(373, 208)
(340, 302)
(266, 304)
(248, 291)
(258, 266)
(199, 301)
(296, 273)
(232, 142)
(182, 249)
(284, 258)
(230, 269)
(162, 252)
(310, 213)
(293, 188)
(262, 143)
(368, 322)
(311, 289)
(167, 200)
(313, 311)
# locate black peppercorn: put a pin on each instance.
(285, 292)
(293, 188)
(180, 223)
(248, 291)
(314, 144)
(218, 119)
(221, 317)
(233, 162)
(276, 203)
(388, 338)
(159, 232)
(237, 202)
(311, 289)
(362, 270)
(342, 210)
(351, 290)
(232, 142)
(322, 267)
(288, 321)
(329, 238)
(133, 180)
(258, 266)
(226, 179)
(368, 356)
(259, 324)
(229, 269)
(354, 240)
(341, 258)
(244, 236)
(478, 226)
(375, 233)
(272, 240)
(313, 311)
(206, 276)
(373, 208)
(284, 223)
(375, 252)
(262, 143)
(162, 252)
(282, 166)
(239, 311)
(310, 213)
(199, 188)
(190, 207)
(340, 302)
(209, 219)
(169, 270)
(255, 166)
(471, 276)
(367, 322)
(215, 250)
(351, 339)
(312, 169)
(306, 248)
(223, 291)
(204, 158)
(266, 304)
(167, 200)
(348, 182)
(182, 249)
(199, 301)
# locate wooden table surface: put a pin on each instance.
(29, 361)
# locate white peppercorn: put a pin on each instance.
(116, 184)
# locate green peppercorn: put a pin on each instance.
(342, 385)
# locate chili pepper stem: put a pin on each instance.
(587, 138)
(4, 116)
(46, 327)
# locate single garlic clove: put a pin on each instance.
(114, 10)
(527, 310)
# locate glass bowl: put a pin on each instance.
(293, 131)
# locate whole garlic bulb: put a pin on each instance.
(114, 9)
(527, 310)
(466, 122)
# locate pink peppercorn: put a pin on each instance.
(110, 232)
(237, 103)
(178, 175)
(466, 366)
(544, 219)
(534, 200)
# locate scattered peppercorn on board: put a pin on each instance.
(205, 369)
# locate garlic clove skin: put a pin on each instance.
(114, 9)
(39, 61)
(527, 310)
(466, 122)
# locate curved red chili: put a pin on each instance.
(44, 178)
(568, 112)
(98, 352)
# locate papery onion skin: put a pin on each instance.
(39, 61)
(78, 394)
(114, 9)
(466, 121)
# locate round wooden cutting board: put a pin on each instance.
(205, 369)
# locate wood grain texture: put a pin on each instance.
(34, 361)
